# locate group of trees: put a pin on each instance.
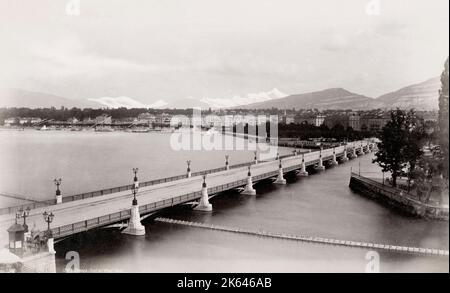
(401, 144)
(403, 140)
(305, 131)
(443, 118)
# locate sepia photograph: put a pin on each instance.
(213, 137)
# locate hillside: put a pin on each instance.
(22, 98)
(421, 96)
(333, 99)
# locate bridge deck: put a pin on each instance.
(81, 215)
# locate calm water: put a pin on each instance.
(320, 205)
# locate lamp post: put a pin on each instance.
(204, 181)
(17, 216)
(134, 224)
(58, 191)
(135, 186)
(24, 214)
(48, 218)
(203, 204)
(188, 168)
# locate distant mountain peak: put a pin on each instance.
(244, 100)
(158, 104)
(119, 102)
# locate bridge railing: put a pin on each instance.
(66, 230)
(102, 192)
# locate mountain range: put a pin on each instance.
(423, 96)
(12, 97)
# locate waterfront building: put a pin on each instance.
(146, 118)
(72, 120)
(24, 120)
(103, 119)
(11, 121)
(88, 120)
(35, 120)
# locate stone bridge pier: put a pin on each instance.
(280, 178)
(249, 190)
(204, 204)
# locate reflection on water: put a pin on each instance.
(319, 205)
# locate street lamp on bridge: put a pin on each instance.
(135, 186)
(58, 191)
(23, 214)
(188, 162)
(48, 218)
(204, 181)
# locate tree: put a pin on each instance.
(443, 119)
(401, 143)
(415, 137)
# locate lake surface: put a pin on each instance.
(319, 205)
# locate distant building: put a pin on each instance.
(211, 120)
(11, 121)
(88, 120)
(180, 120)
(146, 118)
(286, 118)
(72, 120)
(316, 120)
(27, 120)
(337, 119)
(24, 120)
(164, 119)
(429, 116)
(374, 123)
(35, 120)
(103, 119)
(354, 121)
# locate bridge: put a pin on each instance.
(79, 214)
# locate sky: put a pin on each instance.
(172, 49)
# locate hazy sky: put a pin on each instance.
(171, 49)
